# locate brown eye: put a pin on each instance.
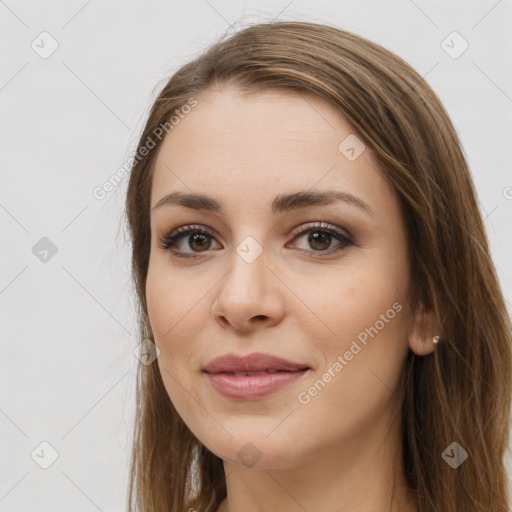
(195, 238)
(321, 236)
(199, 241)
(319, 240)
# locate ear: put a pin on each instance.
(423, 328)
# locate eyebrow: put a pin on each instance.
(281, 204)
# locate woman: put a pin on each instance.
(313, 271)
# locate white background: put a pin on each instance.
(69, 121)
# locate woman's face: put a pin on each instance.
(262, 276)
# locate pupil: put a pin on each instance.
(319, 237)
(202, 238)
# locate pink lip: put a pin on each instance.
(221, 373)
(254, 362)
(247, 387)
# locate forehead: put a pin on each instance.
(257, 145)
(266, 119)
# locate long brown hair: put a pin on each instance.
(461, 392)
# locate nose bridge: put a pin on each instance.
(248, 267)
(247, 290)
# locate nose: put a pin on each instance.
(250, 296)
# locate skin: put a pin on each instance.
(340, 451)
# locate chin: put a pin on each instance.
(256, 452)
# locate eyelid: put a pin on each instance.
(321, 225)
(187, 228)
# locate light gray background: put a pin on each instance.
(70, 120)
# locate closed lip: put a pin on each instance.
(256, 362)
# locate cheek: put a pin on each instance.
(345, 300)
(160, 301)
(176, 310)
(363, 311)
(173, 301)
(170, 314)
(363, 361)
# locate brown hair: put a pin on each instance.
(459, 393)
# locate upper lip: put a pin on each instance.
(255, 362)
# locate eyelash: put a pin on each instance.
(168, 241)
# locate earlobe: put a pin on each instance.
(425, 332)
(423, 346)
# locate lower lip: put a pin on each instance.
(248, 387)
